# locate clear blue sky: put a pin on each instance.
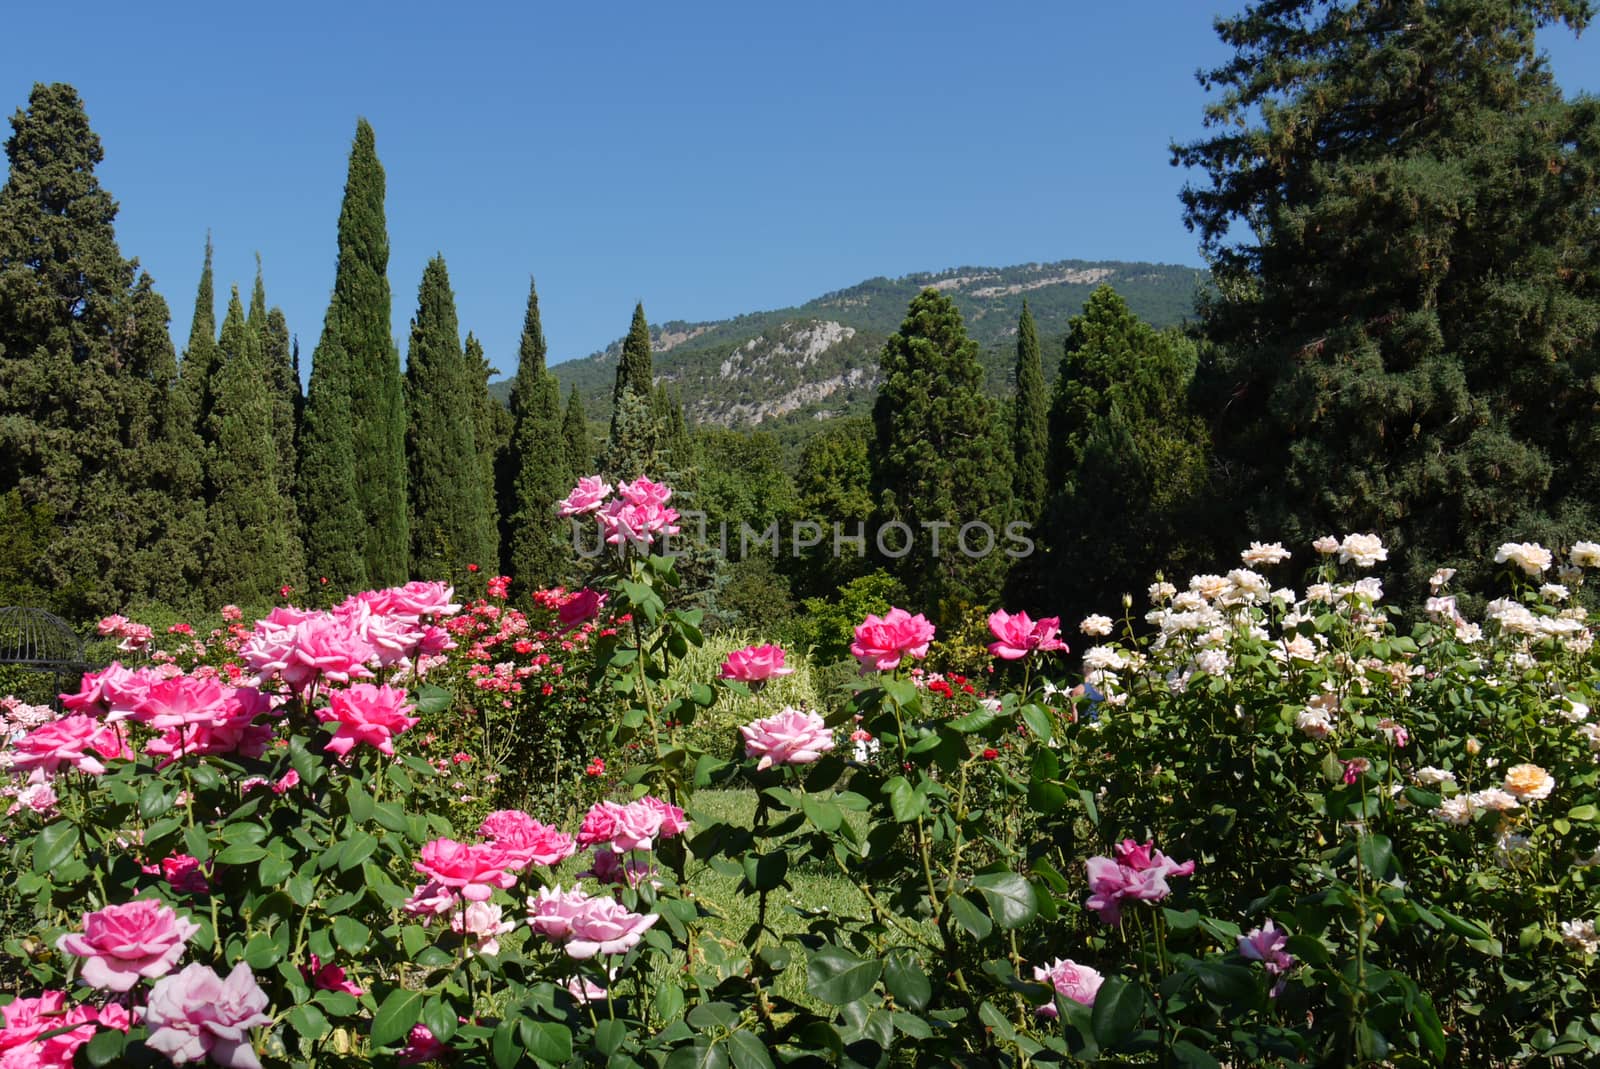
(706, 158)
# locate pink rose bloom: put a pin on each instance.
(431, 899)
(26, 1019)
(196, 1013)
(1265, 944)
(755, 664)
(882, 641)
(328, 648)
(1138, 874)
(420, 598)
(625, 827)
(673, 822)
(481, 920)
(550, 912)
(524, 841)
(77, 741)
(328, 977)
(590, 493)
(120, 945)
(1019, 636)
(369, 714)
(645, 493)
(38, 797)
(637, 525)
(791, 737)
(1080, 983)
(111, 694)
(180, 702)
(1141, 858)
(614, 869)
(111, 625)
(421, 1047)
(185, 875)
(605, 926)
(135, 637)
(472, 871)
(580, 608)
(585, 990)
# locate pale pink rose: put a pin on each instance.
(230, 613)
(1080, 983)
(76, 741)
(1265, 944)
(111, 625)
(614, 869)
(38, 797)
(626, 827)
(195, 1013)
(792, 737)
(605, 926)
(673, 822)
(525, 841)
(585, 990)
(421, 1046)
(430, 899)
(755, 664)
(417, 599)
(590, 493)
(302, 648)
(369, 714)
(882, 641)
(550, 912)
(1018, 635)
(481, 920)
(135, 637)
(638, 525)
(473, 871)
(123, 944)
(645, 493)
(580, 608)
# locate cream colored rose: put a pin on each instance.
(1529, 783)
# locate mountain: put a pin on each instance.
(786, 369)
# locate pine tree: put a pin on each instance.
(249, 551)
(278, 362)
(537, 473)
(491, 431)
(86, 364)
(197, 372)
(1029, 430)
(358, 321)
(935, 463)
(1399, 209)
(448, 505)
(575, 429)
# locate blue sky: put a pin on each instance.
(706, 158)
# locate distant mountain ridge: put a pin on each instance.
(819, 360)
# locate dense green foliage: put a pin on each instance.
(537, 469)
(1029, 423)
(197, 372)
(633, 369)
(450, 522)
(326, 481)
(575, 433)
(1401, 213)
(491, 433)
(936, 463)
(281, 364)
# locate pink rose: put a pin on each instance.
(180, 702)
(550, 912)
(626, 827)
(417, 599)
(755, 664)
(472, 871)
(1080, 983)
(1019, 636)
(524, 841)
(366, 713)
(77, 741)
(111, 625)
(421, 1046)
(637, 525)
(644, 493)
(110, 694)
(590, 493)
(122, 944)
(791, 737)
(881, 642)
(586, 926)
(196, 1013)
(614, 869)
(328, 977)
(26, 1019)
(481, 920)
(1137, 874)
(1265, 944)
(580, 608)
(673, 822)
(430, 900)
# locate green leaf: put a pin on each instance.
(1377, 854)
(503, 1046)
(359, 803)
(154, 800)
(1228, 982)
(906, 980)
(609, 1035)
(748, 1051)
(106, 1048)
(1038, 721)
(395, 1016)
(905, 801)
(309, 1021)
(1117, 1008)
(824, 815)
(702, 1053)
(766, 871)
(970, 917)
(273, 870)
(547, 1040)
(838, 977)
(1192, 1057)
(53, 845)
(430, 698)
(350, 934)
(1009, 896)
(669, 1001)
(356, 850)
(241, 854)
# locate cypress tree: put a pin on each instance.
(335, 534)
(634, 372)
(538, 473)
(575, 428)
(491, 430)
(197, 373)
(85, 367)
(1399, 210)
(1029, 425)
(448, 510)
(935, 463)
(249, 551)
(358, 320)
(278, 362)
(633, 446)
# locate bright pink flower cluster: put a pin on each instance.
(1018, 635)
(792, 737)
(1080, 983)
(1136, 874)
(589, 496)
(634, 826)
(75, 741)
(585, 926)
(755, 664)
(197, 1014)
(27, 1019)
(133, 636)
(883, 641)
(524, 841)
(123, 944)
(369, 714)
(198, 715)
(637, 516)
(472, 870)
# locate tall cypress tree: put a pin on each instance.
(537, 473)
(358, 320)
(448, 506)
(575, 429)
(250, 552)
(271, 331)
(85, 368)
(491, 429)
(633, 447)
(936, 465)
(1029, 427)
(197, 372)
(330, 512)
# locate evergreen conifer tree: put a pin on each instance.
(330, 512)
(538, 473)
(1029, 431)
(575, 428)
(86, 366)
(271, 330)
(197, 373)
(448, 506)
(935, 463)
(491, 431)
(1399, 210)
(633, 448)
(249, 551)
